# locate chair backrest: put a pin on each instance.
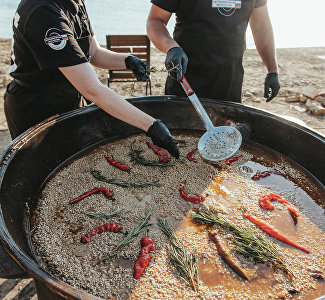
(137, 45)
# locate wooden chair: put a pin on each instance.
(137, 45)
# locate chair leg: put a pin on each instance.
(148, 85)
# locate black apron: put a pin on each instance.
(27, 104)
(25, 107)
(214, 40)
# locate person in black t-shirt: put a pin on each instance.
(208, 45)
(53, 49)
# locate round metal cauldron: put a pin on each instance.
(28, 161)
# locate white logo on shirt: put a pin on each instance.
(226, 7)
(13, 66)
(16, 19)
(55, 39)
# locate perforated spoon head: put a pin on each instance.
(219, 143)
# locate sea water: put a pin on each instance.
(297, 23)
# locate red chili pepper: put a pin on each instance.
(194, 199)
(265, 202)
(163, 156)
(107, 193)
(279, 173)
(117, 164)
(273, 232)
(190, 156)
(110, 227)
(143, 261)
(260, 175)
(232, 159)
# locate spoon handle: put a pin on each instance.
(197, 104)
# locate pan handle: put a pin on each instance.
(8, 267)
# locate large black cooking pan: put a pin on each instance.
(32, 157)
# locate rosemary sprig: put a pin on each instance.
(136, 184)
(248, 242)
(151, 70)
(184, 261)
(130, 237)
(137, 158)
(98, 215)
(173, 68)
(34, 227)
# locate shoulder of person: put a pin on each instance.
(168, 5)
(27, 7)
(260, 3)
(36, 12)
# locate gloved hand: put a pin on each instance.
(161, 137)
(138, 67)
(271, 86)
(176, 63)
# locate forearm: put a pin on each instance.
(264, 42)
(84, 79)
(106, 59)
(109, 60)
(159, 35)
(264, 39)
(119, 108)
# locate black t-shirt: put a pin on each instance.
(212, 34)
(48, 34)
(178, 6)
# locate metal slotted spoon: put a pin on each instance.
(218, 143)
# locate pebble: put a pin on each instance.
(248, 94)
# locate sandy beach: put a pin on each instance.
(299, 69)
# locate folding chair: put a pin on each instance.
(137, 45)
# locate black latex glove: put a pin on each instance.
(161, 137)
(176, 63)
(271, 86)
(138, 67)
